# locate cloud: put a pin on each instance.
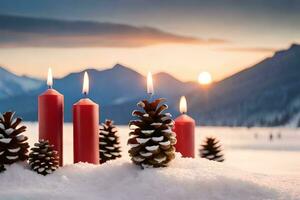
(249, 49)
(17, 31)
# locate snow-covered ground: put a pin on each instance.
(255, 168)
(242, 150)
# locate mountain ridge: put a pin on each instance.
(11, 84)
(109, 87)
(253, 91)
(266, 94)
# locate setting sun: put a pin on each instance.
(204, 78)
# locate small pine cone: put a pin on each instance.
(109, 144)
(211, 150)
(13, 144)
(43, 158)
(151, 138)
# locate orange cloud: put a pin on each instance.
(249, 49)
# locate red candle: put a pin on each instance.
(50, 116)
(185, 132)
(86, 128)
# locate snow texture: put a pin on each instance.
(120, 179)
(254, 169)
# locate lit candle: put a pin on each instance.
(50, 116)
(185, 131)
(86, 127)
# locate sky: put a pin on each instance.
(182, 38)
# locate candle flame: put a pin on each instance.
(150, 89)
(183, 105)
(85, 87)
(49, 79)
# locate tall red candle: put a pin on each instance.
(50, 116)
(86, 128)
(185, 132)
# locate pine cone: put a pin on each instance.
(152, 139)
(43, 158)
(211, 150)
(109, 144)
(13, 145)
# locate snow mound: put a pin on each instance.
(185, 179)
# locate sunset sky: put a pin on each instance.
(182, 38)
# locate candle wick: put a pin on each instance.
(85, 94)
(49, 86)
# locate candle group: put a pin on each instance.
(85, 123)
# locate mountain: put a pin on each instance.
(267, 93)
(116, 89)
(12, 85)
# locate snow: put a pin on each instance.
(12, 157)
(147, 132)
(166, 143)
(253, 169)
(120, 179)
(9, 131)
(142, 140)
(5, 140)
(158, 139)
(145, 154)
(152, 148)
(241, 149)
(156, 124)
(15, 150)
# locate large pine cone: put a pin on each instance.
(109, 144)
(13, 145)
(211, 150)
(152, 139)
(43, 158)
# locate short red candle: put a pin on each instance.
(50, 116)
(185, 134)
(86, 130)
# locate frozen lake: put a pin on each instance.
(245, 149)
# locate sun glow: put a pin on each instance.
(205, 78)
